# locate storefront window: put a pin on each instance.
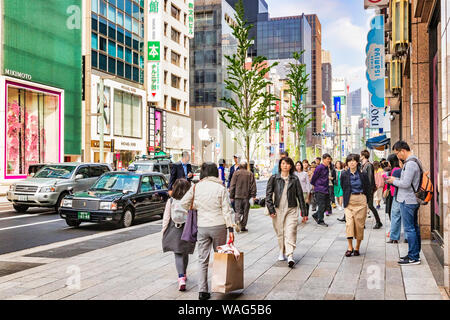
(127, 114)
(32, 129)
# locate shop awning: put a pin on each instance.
(379, 143)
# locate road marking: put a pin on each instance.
(30, 224)
(25, 216)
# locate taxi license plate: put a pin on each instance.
(22, 198)
(84, 215)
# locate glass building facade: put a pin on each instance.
(213, 40)
(117, 38)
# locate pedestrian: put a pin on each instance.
(233, 169)
(181, 170)
(301, 171)
(332, 179)
(222, 170)
(276, 169)
(284, 194)
(171, 239)
(214, 218)
(242, 189)
(338, 193)
(356, 187)
(320, 182)
(394, 210)
(379, 183)
(318, 160)
(408, 182)
(313, 202)
(367, 168)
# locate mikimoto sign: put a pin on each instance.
(375, 3)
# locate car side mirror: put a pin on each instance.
(79, 176)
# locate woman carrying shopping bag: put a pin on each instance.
(173, 225)
(284, 194)
(214, 218)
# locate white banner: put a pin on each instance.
(376, 116)
(154, 50)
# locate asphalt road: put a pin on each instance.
(44, 226)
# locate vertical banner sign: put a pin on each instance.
(154, 50)
(191, 18)
(376, 71)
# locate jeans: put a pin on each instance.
(410, 214)
(396, 220)
(323, 201)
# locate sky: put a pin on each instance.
(345, 25)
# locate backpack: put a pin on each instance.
(424, 193)
(178, 214)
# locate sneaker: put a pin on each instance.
(281, 257)
(291, 261)
(407, 262)
(406, 257)
(204, 295)
(323, 224)
(182, 284)
(392, 241)
(341, 219)
(378, 225)
(315, 219)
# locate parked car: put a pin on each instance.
(34, 168)
(154, 165)
(52, 183)
(117, 197)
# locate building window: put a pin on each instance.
(185, 85)
(165, 5)
(175, 12)
(204, 18)
(185, 63)
(175, 81)
(165, 52)
(185, 107)
(175, 104)
(32, 129)
(165, 29)
(185, 18)
(175, 35)
(175, 58)
(185, 41)
(165, 77)
(165, 102)
(127, 114)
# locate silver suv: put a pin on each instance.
(52, 183)
(161, 166)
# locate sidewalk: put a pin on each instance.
(138, 269)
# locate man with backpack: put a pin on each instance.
(408, 184)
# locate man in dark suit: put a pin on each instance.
(233, 169)
(181, 170)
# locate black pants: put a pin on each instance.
(372, 208)
(331, 193)
(323, 200)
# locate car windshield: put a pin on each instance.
(143, 167)
(57, 171)
(117, 182)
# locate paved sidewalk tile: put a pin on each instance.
(138, 269)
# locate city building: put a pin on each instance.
(341, 124)
(41, 84)
(211, 140)
(170, 26)
(114, 55)
(418, 63)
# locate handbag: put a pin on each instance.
(228, 269)
(190, 227)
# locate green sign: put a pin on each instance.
(154, 51)
(154, 6)
(191, 18)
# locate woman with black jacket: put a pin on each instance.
(356, 187)
(284, 194)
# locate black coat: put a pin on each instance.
(177, 172)
(230, 175)
(347, 187)
(370, 171)
(275, 187)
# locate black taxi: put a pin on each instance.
(117, 197)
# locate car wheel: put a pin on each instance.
(20, 208)
(127, 218)
(60, 199)
(73, 223)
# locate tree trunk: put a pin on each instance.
(247, 142)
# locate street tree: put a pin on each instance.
(248, 107)
(297, 79)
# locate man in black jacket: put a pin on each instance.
(181, 170)
(367, 167)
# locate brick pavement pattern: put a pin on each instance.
(138, 269)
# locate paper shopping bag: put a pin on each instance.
(228, 273)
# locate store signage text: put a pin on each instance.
(18, 74)
(154, 50)
(128, 144)
(191, 19)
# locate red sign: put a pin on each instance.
(277, 106)
(151, 149)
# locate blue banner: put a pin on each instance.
(337, 104)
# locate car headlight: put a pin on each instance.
(12, 187)
(47, 189)
(67, 203)
(108, 206)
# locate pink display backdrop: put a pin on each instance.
(24, 86)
